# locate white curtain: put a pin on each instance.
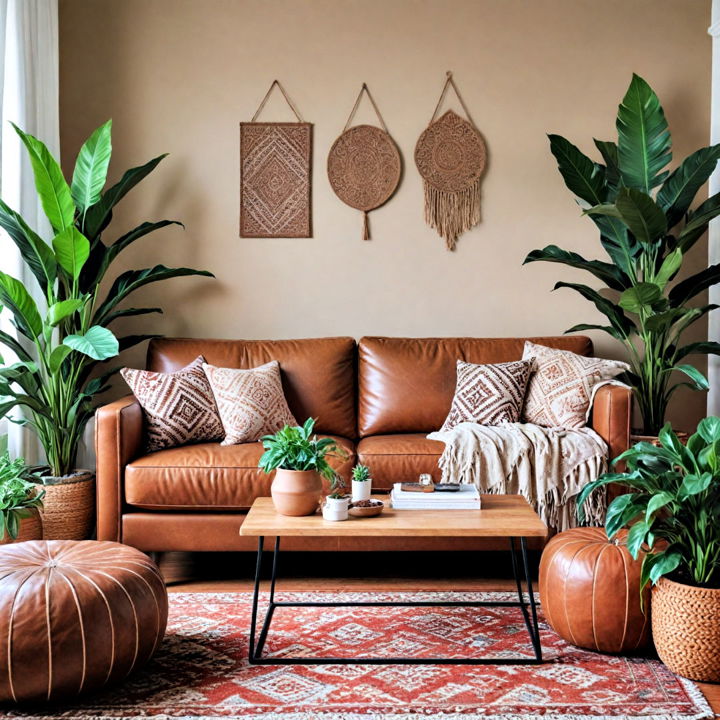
(714, 233)
(29, 98)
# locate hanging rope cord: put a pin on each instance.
(276, 83)
(448, 82)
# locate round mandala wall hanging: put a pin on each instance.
(450, 156)
(364, 165)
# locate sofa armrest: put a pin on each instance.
(118, 440)
(611, 414)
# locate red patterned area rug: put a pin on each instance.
(201, 669)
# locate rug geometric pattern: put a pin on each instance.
(201, 669)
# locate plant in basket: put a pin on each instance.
(20, 499)
(300, 462)
(63, 332)
(647, 228)
(674, 516)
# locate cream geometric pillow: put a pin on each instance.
(251, 402)
(561, 389)
(488, 394)
(179, 407)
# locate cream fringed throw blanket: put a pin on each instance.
(548, 467)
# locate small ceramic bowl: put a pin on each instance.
(375, 507)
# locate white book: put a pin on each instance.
(467, 498)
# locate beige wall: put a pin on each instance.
(178, 76)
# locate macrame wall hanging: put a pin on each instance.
(450, 155)
(364, 164)
(275, 176)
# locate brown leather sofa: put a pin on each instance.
(378, 397)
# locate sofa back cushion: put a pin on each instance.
(318, 375)
(407, 384)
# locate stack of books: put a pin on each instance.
(466, 498)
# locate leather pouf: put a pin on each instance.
(590, 591)
(75, 615)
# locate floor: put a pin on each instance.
(228, 572)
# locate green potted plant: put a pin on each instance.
(64, 340)
(674, 516)
(337, 503)
(20, 499)
(300, 462)
(647, 227)
(361, 483)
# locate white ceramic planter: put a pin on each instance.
(335, 509)
(361, 490)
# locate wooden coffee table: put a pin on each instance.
(508, 516)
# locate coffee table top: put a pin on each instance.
(499, 516)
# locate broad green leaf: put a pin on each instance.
(671, 264)
(98, 216)
(130, 312)
(98, 343)
(656, 502)
(18, 300)
(679, 190)
(582, 327)
(709, 429)
(640, 296)
(606, 272)
(129, 281)
(57, 356)
(694, 285)
(52, 189)
(611, 311)
(643, 137)
(71, 250)
(665, 564)
(697, 222)
(609, 151)
(698, 348)
(129, 341)
(636, 537)
(699, 380)
(582, 176)
(645, 220)
(33, 249)
(58, 311)
(91, 167)
(695, 484)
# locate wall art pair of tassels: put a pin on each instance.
(364, 168)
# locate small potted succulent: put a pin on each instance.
(674, 516)
(300, 462)
(361, 483)
(337, 503)
(20, 499)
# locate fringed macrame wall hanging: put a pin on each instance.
(450, 156)
(364, 164)
(275, 172)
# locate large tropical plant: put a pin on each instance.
(674, 506)
(62, 338)
(647, 227)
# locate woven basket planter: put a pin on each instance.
(30, 529)
(686, 629)
(69, 506)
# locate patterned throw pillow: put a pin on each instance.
(179, 407)
(251, 402)
(561, 390)
(488, 394)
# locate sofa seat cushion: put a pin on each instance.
(399, 458)
(207, 476)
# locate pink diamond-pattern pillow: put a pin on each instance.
(179, 407)
(251, 402)
(488, 394)
(561, 389)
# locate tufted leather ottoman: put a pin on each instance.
(75, 615)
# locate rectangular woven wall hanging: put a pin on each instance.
(275, 176)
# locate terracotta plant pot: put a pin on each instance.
(637, 436)
(30, 529)
(68, 511)
(296, 492)
(686, 629)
